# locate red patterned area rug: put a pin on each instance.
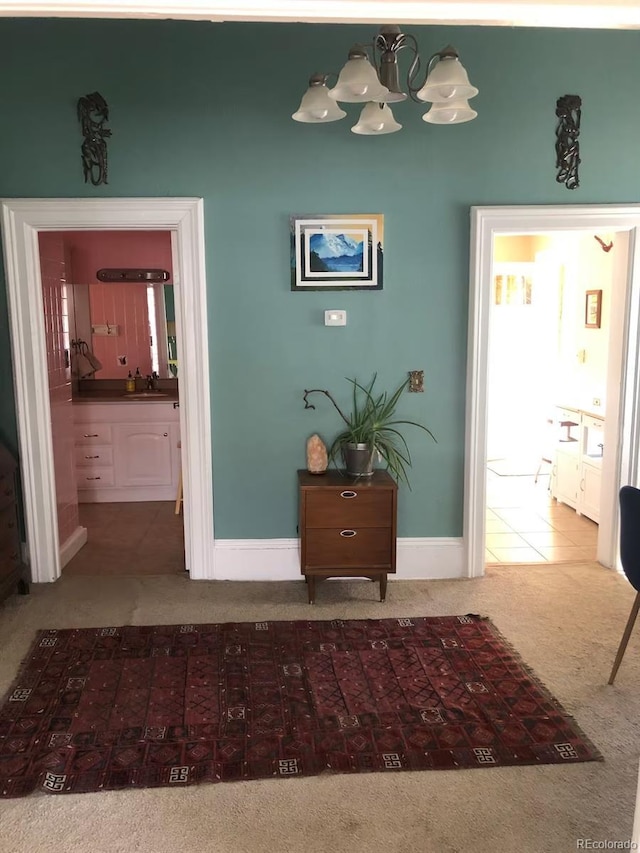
(131, 707)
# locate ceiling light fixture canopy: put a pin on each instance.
(376, 83)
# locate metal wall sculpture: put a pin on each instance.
(93, 112)
(568, 110)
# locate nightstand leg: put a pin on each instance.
(311, 588)
(383, 586)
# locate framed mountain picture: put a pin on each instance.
(337, 251)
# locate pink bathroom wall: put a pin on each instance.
(93, 250)
(56, 318)
(122, 305)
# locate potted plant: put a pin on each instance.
(371, 428)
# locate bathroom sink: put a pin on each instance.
(144, 395)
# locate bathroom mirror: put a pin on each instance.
(127, 327)
(119, 290)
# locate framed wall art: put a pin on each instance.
(337, 251)
(593, 309)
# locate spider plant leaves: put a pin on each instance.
(372, 422)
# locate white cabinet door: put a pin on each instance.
(567, 478)
(589, 503)
(143, 454)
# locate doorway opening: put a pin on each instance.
(23, 221)
(113, 386)
(547, 392)
(620, 460)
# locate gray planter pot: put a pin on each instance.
(358, 459)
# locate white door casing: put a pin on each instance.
(22, 219)
(622, 424)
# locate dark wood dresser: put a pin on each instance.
(347, 527)
(13, 572)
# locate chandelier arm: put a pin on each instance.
(413, 72)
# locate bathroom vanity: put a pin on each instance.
(127, 448)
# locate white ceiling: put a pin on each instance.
(621, 14)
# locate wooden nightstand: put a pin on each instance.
(347, 527)
(13, 572)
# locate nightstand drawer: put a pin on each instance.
(349, 507)
(10, 561)
(365, 547)
(7, 489)
(9, 537)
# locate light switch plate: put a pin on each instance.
(335, 317)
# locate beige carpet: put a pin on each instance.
(565, 620)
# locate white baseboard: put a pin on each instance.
(279, 560)
(72, 545)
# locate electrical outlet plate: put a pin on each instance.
(597, 401)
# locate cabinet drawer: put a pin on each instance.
(7, 489)
(91, 457)
(349, 507)
(90, 434)
(8, 529)
(9, 560)
(592, 423)
(367, 547)
(95, 478)
(570, 415)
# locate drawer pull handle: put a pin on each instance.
(91, 435)
(14, 556)
(348, 494)
(11, 525)
(347, 533)
(93, 478)
(93, 457)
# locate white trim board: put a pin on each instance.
(622, 14)
(72, 545)
(279, 559)
(22, 219)
(623, 402)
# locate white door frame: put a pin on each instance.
(622, 424)
(22, 219)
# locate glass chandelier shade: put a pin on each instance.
(447, 80)
(371, 77)
(358, 81)
(450, 112)
(375, 120)
(316, 106)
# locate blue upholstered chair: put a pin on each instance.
(630, 558)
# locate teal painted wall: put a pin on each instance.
(201, 109)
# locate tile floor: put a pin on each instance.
(526, 525)
(144, 538)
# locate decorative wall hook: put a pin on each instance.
(606, 247)
(568, 110)
(93, 112)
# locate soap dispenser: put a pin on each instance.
(130, 384)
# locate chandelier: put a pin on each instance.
(377, 84)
